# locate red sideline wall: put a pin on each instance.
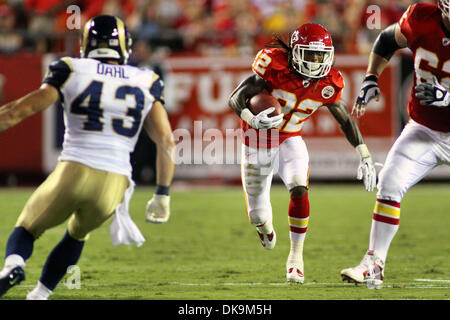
(21, 146)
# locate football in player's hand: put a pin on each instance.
(263, 101)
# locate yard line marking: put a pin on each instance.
(433, 280)
(404, 285)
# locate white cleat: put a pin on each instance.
(294, 274)
(375, 274)
(40, 292)
(268, 241)
(370, 271)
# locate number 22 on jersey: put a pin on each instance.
(297, 111)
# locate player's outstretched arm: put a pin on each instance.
(18, 110)
(388, 41)
(366, 169)
(159, 130)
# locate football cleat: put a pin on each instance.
(40, 292)
(268, 241)
(35, 296)
(375, 273)
(15, 276)
(294, 274)
(371, 267)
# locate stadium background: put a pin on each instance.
(202, 49)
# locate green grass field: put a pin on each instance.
(208, 249)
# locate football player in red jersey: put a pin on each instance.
(425, 141)
(300, 75)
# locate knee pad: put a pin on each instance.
(390, 187)
(298, 191)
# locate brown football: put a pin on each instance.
(263, 101)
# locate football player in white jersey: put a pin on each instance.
(106, 104)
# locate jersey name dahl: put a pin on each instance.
(111, 70)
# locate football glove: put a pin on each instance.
(366, 169)
(158, 209)
(262, 120)
(369, 90)
(433, 94)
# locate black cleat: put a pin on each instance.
(14, 277)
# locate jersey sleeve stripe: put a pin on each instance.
(157, 88)
(59, 72)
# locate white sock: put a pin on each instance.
(385, 222)
(296, 253)
(381, 235)
(40, 292)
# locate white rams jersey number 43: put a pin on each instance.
(104, 108)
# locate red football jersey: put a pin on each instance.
(299, 97)
(429, 42)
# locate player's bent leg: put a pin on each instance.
(54, 200)
(48, 206)
(409, 160)
(96, 202)
(256, 181)
(293, 171)
(65, 254)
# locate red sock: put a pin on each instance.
(298, 217)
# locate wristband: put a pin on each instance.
(363, 151)
(371, 77)
(247, 115)
(162, 190)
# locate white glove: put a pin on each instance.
(366, 169)
(158, 209)
(433, 94)
(369, 90)
(262, 120)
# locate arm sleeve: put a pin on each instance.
(338, 84)
(263, 63)
(406, 22)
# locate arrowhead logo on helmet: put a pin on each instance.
(312, 50)
(106, 38)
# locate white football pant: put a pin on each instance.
(417, 150)
(290, 159)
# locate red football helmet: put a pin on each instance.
(444, 5)
(311, 40)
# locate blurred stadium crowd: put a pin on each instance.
(224, 27)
